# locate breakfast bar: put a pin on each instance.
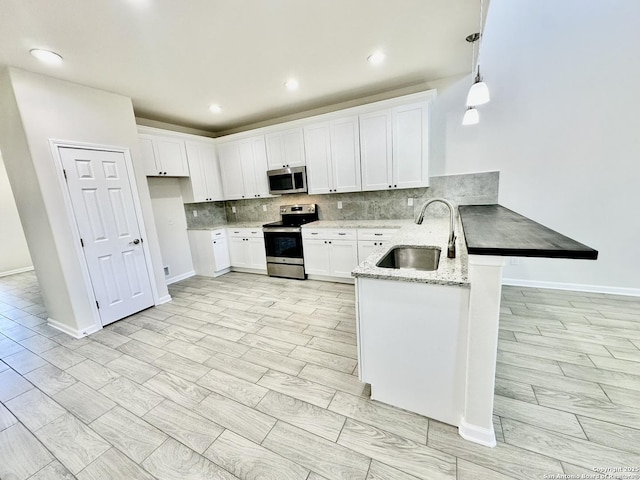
(427, 338)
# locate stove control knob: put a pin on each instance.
(283, 210)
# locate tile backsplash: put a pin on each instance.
(467, 189)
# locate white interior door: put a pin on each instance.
(102, 202)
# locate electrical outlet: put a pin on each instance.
(264, 208)
(514, 261)
(410, 202)
(195, 213)
(339, 205)
(170, 221)
(233, 209)
(166, 270)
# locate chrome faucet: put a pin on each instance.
(451, 246)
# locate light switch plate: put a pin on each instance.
(264, 208)
(195, 213)
(339, 205)
(233, 209)
(410, 202)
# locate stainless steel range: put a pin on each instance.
(283, 241)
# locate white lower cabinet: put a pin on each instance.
(246, 247)
(210, 252)
(330, 252)
(370, 239)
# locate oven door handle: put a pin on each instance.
(282, 230)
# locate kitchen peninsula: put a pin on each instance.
(427, 340)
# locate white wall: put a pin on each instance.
(36, 109)
(563, 130)
(171, 223)
(14, 253)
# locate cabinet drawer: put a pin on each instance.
(245, 232)
(376, 234)
(330, 233)
(218, 233)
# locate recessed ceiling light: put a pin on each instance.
(376, 58)
(215, 108)
(46, 56)
(292, 84)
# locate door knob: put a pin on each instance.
(135, 242)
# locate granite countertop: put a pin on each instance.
(359, 223)
(496, 230)
(254, 224)
(434, 231)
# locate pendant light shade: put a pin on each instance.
(478, 93)
(471, 117)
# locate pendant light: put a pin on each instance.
(471, 116)
(479, 91)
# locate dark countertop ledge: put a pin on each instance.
(496, 230)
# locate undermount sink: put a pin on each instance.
(415, 258)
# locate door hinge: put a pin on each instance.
(81, 243)
(97, 305)
(65, 173)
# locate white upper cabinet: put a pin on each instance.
(395, 147)
(375, 147)
(333, 156)
(231, 170)
(345, 155)
(243, 168)
(410, 145)
(163, 155)
(317, 142)
(204, 184)
(285, 148)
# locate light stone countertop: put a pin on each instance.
(434, 231)
(255, 224)
(359, 223)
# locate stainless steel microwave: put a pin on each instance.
(287, 180)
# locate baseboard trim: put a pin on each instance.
(577, 287)
(177, 278)
(477, 434)
(324, 278)
(248, 270)
(165, 299)
(72, 331)
(16, 271)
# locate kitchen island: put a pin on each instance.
(427, 340)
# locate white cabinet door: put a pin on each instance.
(248, 169)
(376, 150)
(260, 166)
(211, 172)
(345, 155)
(171, 156)
(148, 156)
(285, 149)
(317, 143)
(410, 146)
(204, 183)
(316, 256)
(231, 170)
(239, 255)
(343, 257)
(253, 157)
(366, 248)
(221, 253)
(256, 253)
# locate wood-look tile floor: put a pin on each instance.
(252, 377)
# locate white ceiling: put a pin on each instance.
(176, 57)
